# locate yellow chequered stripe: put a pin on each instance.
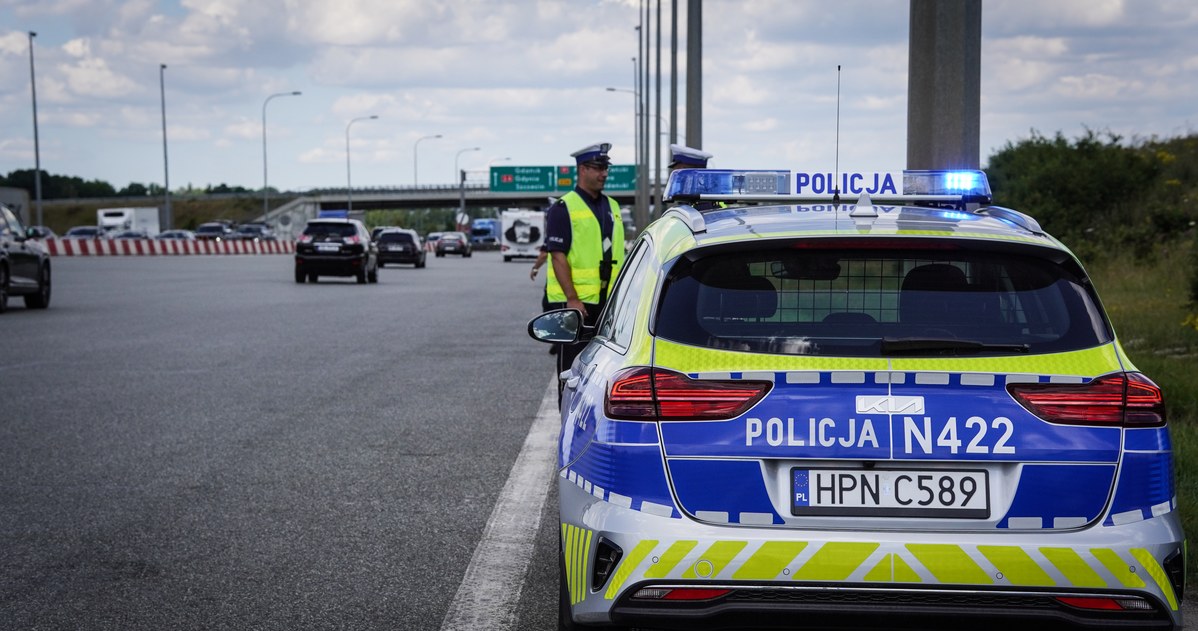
(628, 566)
(1157, 573)
(1016, 565)
(841, 561)
(769, 560)
(1071, 565)
(892, 568)
(576, 545)
(1088, 362)
(670, 558)
(717, 556)
(1117, 566)
(835, 561)
(694, 359)
(949, 563)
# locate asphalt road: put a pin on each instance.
(201, 443)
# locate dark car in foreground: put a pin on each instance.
(901, 408)
(336, 247)
(399, 245)
(454, 243)
(24, 264)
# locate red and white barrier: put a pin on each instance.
(163, 247)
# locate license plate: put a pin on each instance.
(890, 493)
(328, 247)
(395, 248)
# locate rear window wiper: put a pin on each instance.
(943, 346)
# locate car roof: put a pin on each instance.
(741, 224)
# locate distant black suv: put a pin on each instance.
(336, 247)
(24, 264)
(400, 245)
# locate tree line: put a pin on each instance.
(71, 187)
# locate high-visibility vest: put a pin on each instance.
(586, 250)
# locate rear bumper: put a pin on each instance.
(400, 257)
(331, 265)
(771, 607)
(862, 579)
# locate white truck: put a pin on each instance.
(522, 233)
(117, 219)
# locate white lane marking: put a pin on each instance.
(490, 589)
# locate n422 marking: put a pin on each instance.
(919, 434)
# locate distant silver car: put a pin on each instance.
(176, 235)
(86, 232)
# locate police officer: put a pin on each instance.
(584, 236)
(683, 157)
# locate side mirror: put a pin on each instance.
(560, 326)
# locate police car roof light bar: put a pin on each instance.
(927, 186)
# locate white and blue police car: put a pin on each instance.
(859, 400)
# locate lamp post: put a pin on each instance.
(494, 160)
(636, 117)
(265, 189)
(37, 154)
(349, 187)
(461, 183)
(166, 171)
(415, 157)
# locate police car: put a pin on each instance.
(869, 400)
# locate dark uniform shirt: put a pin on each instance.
(558, 232)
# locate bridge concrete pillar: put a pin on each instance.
(944, 84)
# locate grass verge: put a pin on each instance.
(1147, 300)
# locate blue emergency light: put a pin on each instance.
(956, 187)
(690, 183)
(972, 184)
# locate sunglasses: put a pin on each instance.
(596, 166)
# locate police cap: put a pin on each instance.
(688, 157)
(593, 154)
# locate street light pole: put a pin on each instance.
(461, 183)
(37, 154)
(349, 187)
(265, 188)
(657, 196)
(166, 171)
(416, 159)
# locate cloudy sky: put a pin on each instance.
(526, 79)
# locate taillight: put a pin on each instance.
(1128, 399)
(305, 238)
(651, 394)
(355, 239)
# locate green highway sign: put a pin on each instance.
(523, 179)
(621, 177)
(559, 179)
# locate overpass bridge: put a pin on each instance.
(290, 218)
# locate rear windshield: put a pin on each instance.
(876, 303)
(395, 237)
(329, 230)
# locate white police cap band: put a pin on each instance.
(593, 153)
(681, 154)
